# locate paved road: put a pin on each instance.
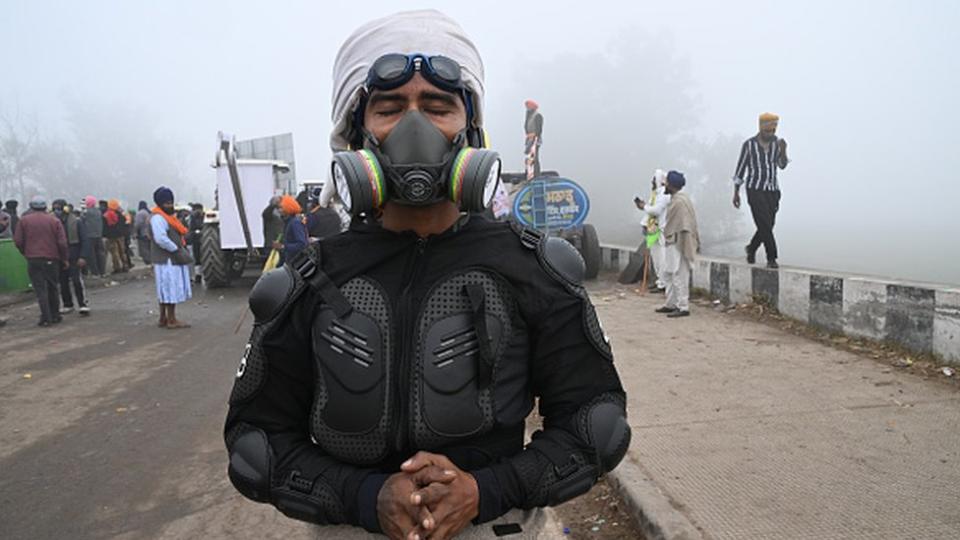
(116, 434)
(752, 432)
(749, 431)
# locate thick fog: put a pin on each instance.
(115, 98)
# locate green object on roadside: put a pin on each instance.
(653, 239)
(13, 268)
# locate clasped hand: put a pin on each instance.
(429, 498)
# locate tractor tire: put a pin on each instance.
(215, 263)
(590, 249)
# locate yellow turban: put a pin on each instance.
(768, 117)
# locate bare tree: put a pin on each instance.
(19, 141)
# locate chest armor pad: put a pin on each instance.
(447, 389)
(454, 374)
(351, 417)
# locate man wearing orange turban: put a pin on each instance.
(760, 157)
(294, 229)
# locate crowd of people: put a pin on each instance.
(62, 245)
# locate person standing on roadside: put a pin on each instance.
(93, 223)
(170, 257)
(294, 230)
(78, 253)
(196, 233)
(11, 208)
(760, 157)
(272, 223)
(140, 224)
(41, 239)
(322, 222)
(682, 241)
(113, 232)
(128, 216)
(655, 211)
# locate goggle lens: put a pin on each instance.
(390, 67)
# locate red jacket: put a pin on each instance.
(40, 235)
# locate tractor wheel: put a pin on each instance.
(215, 262)
(590, 249)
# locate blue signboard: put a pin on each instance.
(551, 203)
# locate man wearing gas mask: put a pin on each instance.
(391, 368)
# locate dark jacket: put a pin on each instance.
(323, 222)
(117, 229)
(93, 223)
(195, 226)
(40, 235)
(548, 346)
(272, 225)
(81, 248)
(162, 250)
(294, 238)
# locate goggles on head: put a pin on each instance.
(395, 69)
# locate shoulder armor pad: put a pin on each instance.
(563, 259)
(271, 292)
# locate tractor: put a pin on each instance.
(232, 236)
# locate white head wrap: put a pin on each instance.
(425, 31)
(660, 176)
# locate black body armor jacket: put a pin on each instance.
(373, 345)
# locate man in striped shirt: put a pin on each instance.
(760, 157)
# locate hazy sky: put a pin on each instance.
(866, 92)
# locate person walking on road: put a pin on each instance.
(78, 253)
(41, 239)
(141, 222)
(682, 243)
(170, 257)
(760, 157)
(93, 223)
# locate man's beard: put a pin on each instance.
(168, 211)
(768, 137)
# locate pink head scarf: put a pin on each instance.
(90, 201)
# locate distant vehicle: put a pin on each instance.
(232, 234)
(556, 206)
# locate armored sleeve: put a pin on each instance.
(271, 456)
(582, 401)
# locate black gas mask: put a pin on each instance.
(415, 165)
